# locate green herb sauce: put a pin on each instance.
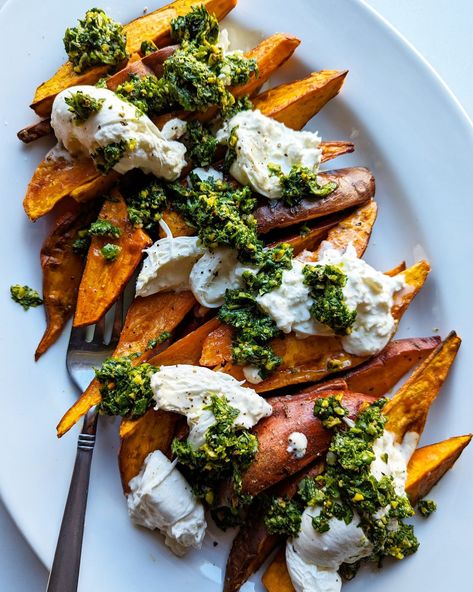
(200, 143)
(426, 507)
(96, 41)
(107, 157)
(104, 228)
(300, 182)
(25, 296)
(83, 106)
(110, 251)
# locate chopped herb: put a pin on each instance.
(426, 507)
(147, 93)
(148, 46)
(164, 336)
(125, 389)
(83, 105)
(200, 143)
(104, 228)
(283, 517)
(102, 82)
(304, 230)
(96, 41)
(348, 486)
(220, 213)
(300, 182)
(110, 252)
(253, 329)
(197, 25)
(240, 104)
(107, 157)
(146, 205)
(271, 264)
(82, 243)
(231, 154)
(228, 450)
(330, 411)
(325, 283)
(26, 296)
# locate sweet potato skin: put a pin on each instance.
(62, 271)
(103, 281)
(355, 186)
(154, 25)
(146, 319)
(291, 414)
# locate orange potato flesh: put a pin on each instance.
(62, 271)
(103, 281)
(146, 319)
(156, 433)
(426, 467)
(407, 411)
(153, 26)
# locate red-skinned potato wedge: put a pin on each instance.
(146, 319)
(62, 271)
(154, 26)
(426, 467)
(293, 413)
(355, 186)
(156, 433)
(407, 411)
(103, 281)
(253, 544)
(56, 178)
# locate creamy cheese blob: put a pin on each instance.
(168, 265)
(186, 390)
(117, 121)
(214, 273)
(368, 291)
(262, 141)
(313, 558)
(252, 374)
(206, 173)
(160, 498)
(174, 129)
(297, 444)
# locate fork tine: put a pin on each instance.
(77, 337)
(117, 321)
(99, 331)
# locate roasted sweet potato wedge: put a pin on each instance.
(154, 26)
(407, 411)
(156, 433)
(146, 319)
(295, 103)
(430, 463)
(103, 281)
(293, 413)
(355, 186)
(62, 271)
(427, 466)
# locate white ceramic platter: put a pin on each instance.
(408, 129)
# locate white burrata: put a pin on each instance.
(262, 141)
(368, 291)
(313, 558)
(168, 265)
(118, 120)
(297, 444)
(252, 374)
(186, 390)
(160, 498)
(214, 273)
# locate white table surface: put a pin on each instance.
(441, 31)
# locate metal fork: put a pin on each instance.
(82, 357)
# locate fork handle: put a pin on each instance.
(64, 574)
